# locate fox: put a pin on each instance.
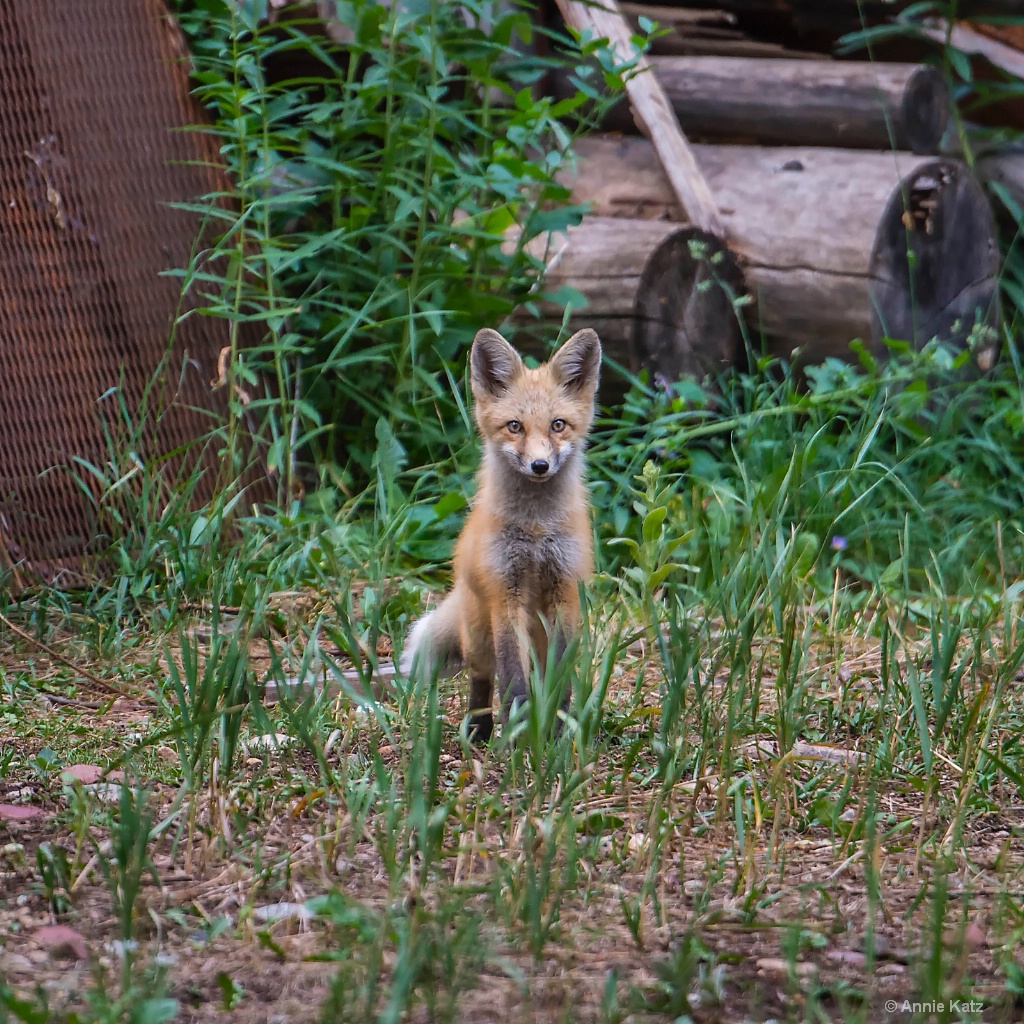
(526, 544)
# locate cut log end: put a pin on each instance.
(925, 111)
(660, 296)
(935, 262)
(686, 319)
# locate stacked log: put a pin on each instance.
(790, 102)
(855, 104)
(874, 241)
(835, 245)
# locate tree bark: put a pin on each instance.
(660, 295)
(824, 237)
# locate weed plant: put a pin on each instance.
(366, 236)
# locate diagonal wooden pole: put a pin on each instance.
(651, 110)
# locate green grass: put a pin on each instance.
(777, 750)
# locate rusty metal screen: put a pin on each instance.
(93, 94)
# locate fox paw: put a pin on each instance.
(481, 727)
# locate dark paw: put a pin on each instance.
(481, 727)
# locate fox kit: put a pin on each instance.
(527, 542)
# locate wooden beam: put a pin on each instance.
(963, 37)
(652, 111)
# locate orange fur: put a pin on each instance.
(526, 544)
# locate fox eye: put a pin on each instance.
(558, 426)
(514, 427)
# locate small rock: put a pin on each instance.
(282, 912)
(271, 741)
(84, 773)
(973, 938)
(16, 963)
(847, 956)
(87, 774)
(888, 970)
(62, 942)
(776, 965)
(105, 792)
(638, 842)
(18, 812)
(166, 753)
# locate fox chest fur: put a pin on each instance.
(535, 562)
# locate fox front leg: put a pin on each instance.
(566, 627)
(508, 630)
(478, 644)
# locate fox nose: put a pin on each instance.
(539, 466)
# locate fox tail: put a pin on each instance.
(433, 645)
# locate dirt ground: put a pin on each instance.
(775, 926)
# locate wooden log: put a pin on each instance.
(696, 33)
(856, 104)
(1006, 171)
(823, 237)
(840, 13)
(652, 111)
(818, 24)
(659, 295)
(996, 52)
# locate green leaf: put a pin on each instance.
(390, 456)
(652, 524)
(453, 501)
(625, 542)
(157, 1011)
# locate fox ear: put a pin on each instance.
(577, 364)
(494, 364)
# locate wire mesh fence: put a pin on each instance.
(92, 99)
